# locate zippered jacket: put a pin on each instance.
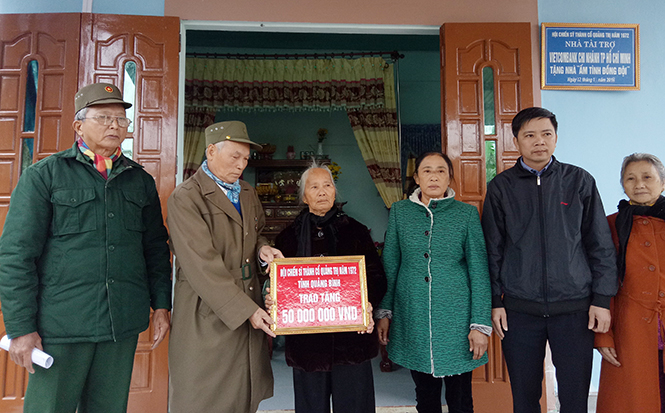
(548, 242)
(82, 259)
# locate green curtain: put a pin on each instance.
(364, 87)
(271, 84)
(376, 131)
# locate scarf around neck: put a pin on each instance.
(102, 164)
(306, 222)
(232, 190)
(624, 225)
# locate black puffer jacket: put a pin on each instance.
(548, 242)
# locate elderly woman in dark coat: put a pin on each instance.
(333, 365)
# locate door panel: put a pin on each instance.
(53, 41)
(108, 42)
(466, 48)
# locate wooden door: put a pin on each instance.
(73, 50)
(53, 43)
(108, 43)
(466, 49)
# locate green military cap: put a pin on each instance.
(98, 94)
(232, 130)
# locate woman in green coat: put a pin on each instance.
(436, 315)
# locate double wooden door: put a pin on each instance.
(44, 59)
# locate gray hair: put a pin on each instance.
(639, 157)
(305, 175)
(219, 145)
(80, 115)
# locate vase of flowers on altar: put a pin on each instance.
(321, 135)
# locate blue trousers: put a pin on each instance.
(571, 343)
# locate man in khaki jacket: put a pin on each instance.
(218, 351)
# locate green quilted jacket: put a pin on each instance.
(438, 284)
(83, 259)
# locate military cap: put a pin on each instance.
(232, 130)
(98, 94)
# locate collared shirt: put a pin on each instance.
(533, 171)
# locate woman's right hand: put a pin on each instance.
(383, 329)
(610, 355)
(267, 300)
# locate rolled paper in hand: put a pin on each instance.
(38, 357)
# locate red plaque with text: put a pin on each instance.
(319, 294)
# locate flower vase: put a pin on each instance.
(319, 151)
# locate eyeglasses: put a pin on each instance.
(123, 122)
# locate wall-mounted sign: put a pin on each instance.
(590, 56)
(319, 294)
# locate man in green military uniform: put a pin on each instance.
(83, 258)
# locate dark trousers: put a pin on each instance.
(571, 343)
(350, 386)
(90, 377)
(428, 392)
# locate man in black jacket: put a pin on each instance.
(552, 264)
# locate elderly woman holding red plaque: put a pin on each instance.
(333, 365)
(631, 375)
(438, 289)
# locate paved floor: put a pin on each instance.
(394, 391)
(391, 389)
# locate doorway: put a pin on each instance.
(418, 95)
(419, 103)
(256, 38)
